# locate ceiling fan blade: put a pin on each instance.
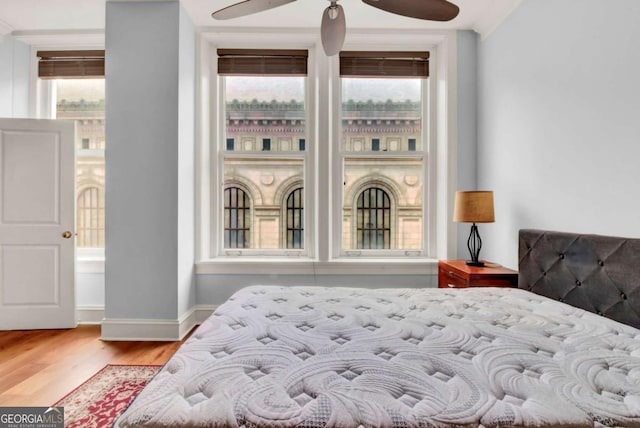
(247, 7)
(333, 30)
(432, 10)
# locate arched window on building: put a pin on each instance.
(295, 219)
(90, 219)
(237, 218)
(373, 217)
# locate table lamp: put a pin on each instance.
(474, 207)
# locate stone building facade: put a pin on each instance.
(383, 176)
(90, 171)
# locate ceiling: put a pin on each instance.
(60, 15)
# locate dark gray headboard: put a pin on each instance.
(597, 273)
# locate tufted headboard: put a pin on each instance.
(597, 273)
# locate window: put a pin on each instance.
(82, 100)
(265, 110)
(75, 79)
(237, 218)
(373, 215)
(382, 102)
(295, 219)
(359, 175)
(230, 144)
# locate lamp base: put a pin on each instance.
(474, 243)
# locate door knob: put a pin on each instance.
(66, 234)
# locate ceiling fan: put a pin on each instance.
(333, 25)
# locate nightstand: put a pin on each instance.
(457, 274)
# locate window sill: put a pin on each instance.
(284, 266)
(90, 265)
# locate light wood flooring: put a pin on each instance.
(37, 368)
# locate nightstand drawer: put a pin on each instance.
(448, 278)
(457, 274)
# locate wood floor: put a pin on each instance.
(37, 368)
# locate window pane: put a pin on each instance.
(381, 114)
(266, 118)
(295, 213)
(383, 192)
(82, 100)
(265, 113)
(237, 214)
(270, 207)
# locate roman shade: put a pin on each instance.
(252, 62)
(70, 64)
(384, 64)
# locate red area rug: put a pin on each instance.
(101, 399)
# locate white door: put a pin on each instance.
(37, 248)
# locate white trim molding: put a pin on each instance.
(5, 28)
(141, 330)
(158, 330)
(67, 39)
(325, 258)
(89, 315)
(90, 265)
(203, 312)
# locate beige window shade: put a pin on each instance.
(256, 62)
(384, 64)
(70, 64)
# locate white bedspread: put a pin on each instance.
(345, 357)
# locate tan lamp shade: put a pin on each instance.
(474, 207)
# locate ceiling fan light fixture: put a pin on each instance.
(333, 29)
(333, 10)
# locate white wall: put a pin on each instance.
(559, 121)
(14, 77)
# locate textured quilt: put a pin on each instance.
(346, 357)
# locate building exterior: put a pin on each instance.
(263, 192)
(90, 170)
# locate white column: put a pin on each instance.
(150, 79)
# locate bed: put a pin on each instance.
(562, 350)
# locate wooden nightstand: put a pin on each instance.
(456, 274)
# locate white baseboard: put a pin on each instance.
(203, 312)
(154, 330)
(90, 315)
